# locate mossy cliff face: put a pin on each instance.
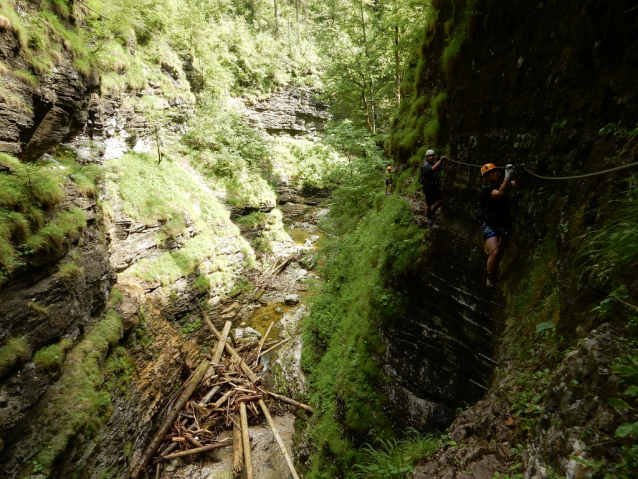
(553, 93)
(550, 85)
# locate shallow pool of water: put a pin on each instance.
(300, 236)
(262, 317)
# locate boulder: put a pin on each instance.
(246, 335)
(291, 299)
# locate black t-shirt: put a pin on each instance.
(497, 210)
(431, 177)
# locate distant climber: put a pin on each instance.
(429, 177)
(493, 210)
(389, 176)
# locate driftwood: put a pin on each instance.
(263, 340)
(275, 433)
(246, 440)
(222, 343)
(168, 421)
(193, 410)
(223, 399)
(169, 449)
(238, 449)
(230, 350)
(249, 398)
(273, 347)
(287, 400)
(283, 265)
(197, 450)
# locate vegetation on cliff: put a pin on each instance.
(30, 193)
(373, 244)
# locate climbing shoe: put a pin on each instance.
(492, 280)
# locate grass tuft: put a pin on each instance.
(68, 272)
(39, 309)
(14, 352)
(51, 358)
(202, 284)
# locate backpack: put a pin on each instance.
(482, 202)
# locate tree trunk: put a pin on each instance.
(276, 18)
(397, 66)
(369, 104)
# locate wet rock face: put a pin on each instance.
(434, 352)
(293, 111)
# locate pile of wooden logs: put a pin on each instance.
(219, 395)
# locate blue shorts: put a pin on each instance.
(491, 231)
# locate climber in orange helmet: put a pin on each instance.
(493, 209)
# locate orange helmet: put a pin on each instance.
(487, 168)
(389, 167)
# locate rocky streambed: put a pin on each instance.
(276, 307)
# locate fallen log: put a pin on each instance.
(196, 443)
(287, 400)
(169, 419)
(206, 399)
(222, 343)
(238, 449)
(246, 440)
(223, 399)
(283, 265)
(230, 350)
(193, 441)
(244, 390)
(171, 447)
(197, 450)
(275, 433)
(263, 340)
(275, 346)
(249, 398)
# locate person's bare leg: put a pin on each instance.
(436, 206)
(428, 211)
(496, 246)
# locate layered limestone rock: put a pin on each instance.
(292, 111)
(42, 114)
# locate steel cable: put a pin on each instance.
(585, 175)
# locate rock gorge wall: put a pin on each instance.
(66, 108)
(293, 111)
(532, 83)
